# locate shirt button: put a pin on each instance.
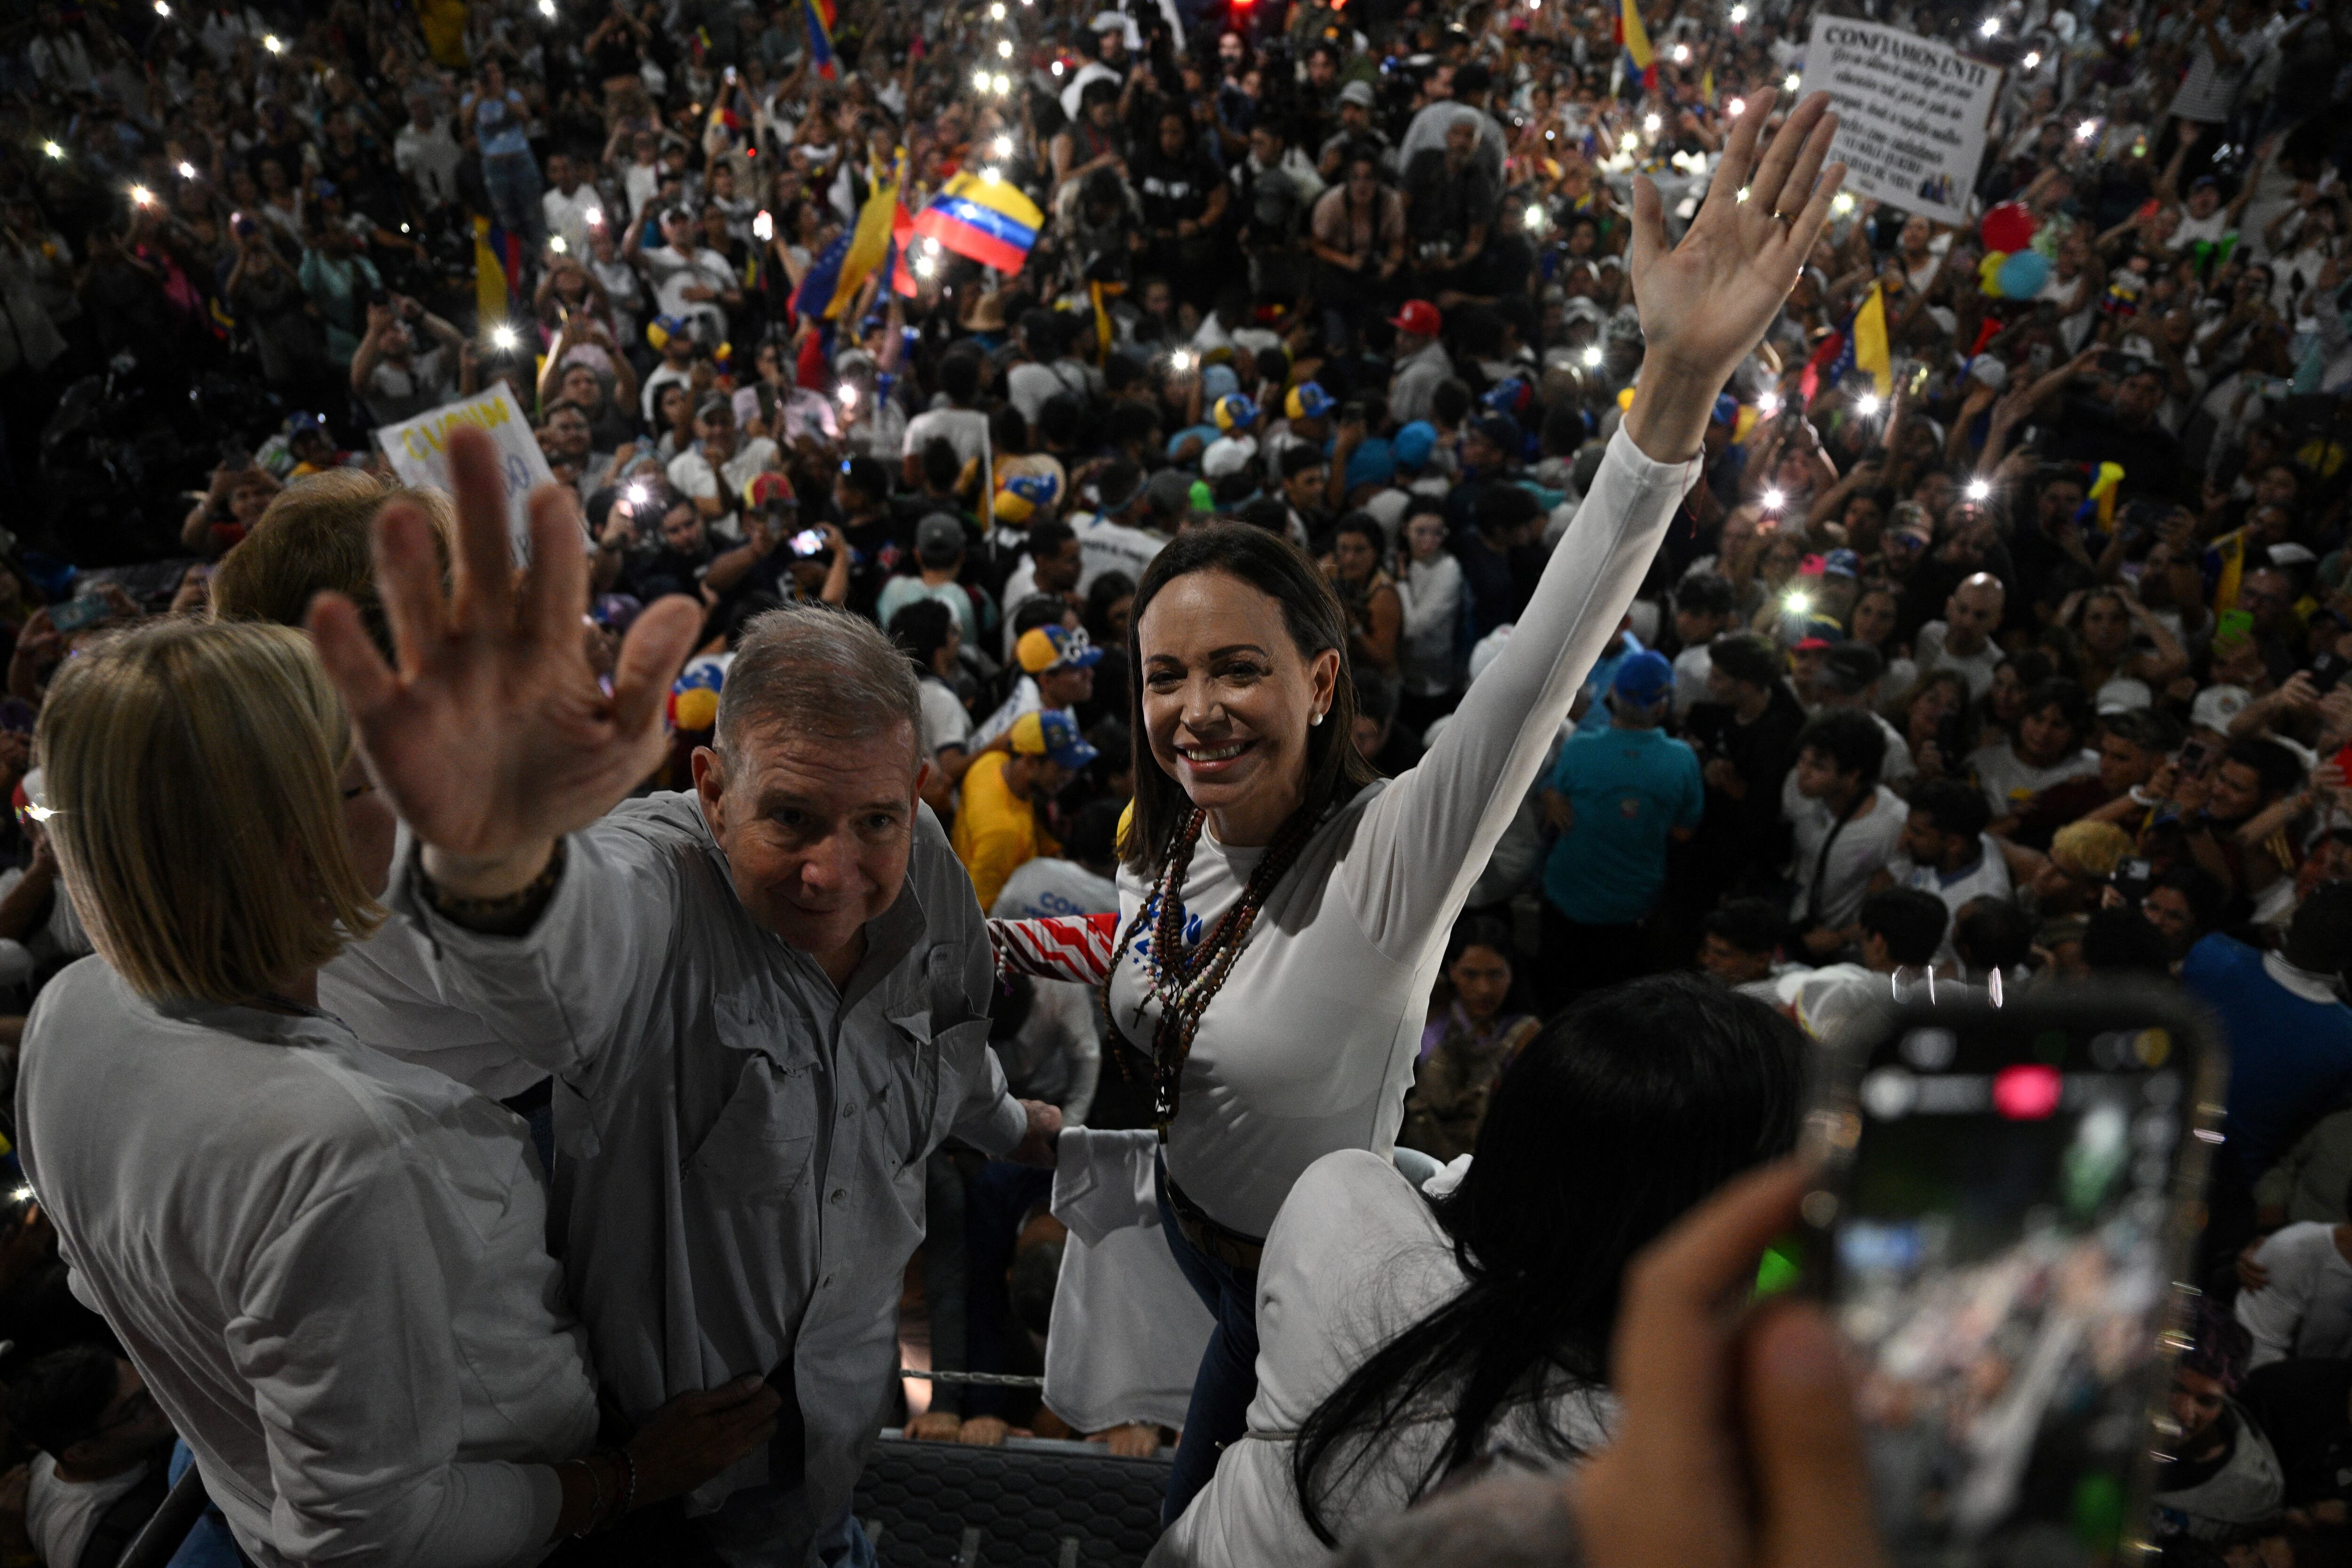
(848, 1110)
(840, 1196)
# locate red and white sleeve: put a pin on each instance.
(1056, 947)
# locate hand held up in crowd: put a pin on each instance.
(492, 738)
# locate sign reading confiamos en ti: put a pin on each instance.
(418, 451)
(1911, 113)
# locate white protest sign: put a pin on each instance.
(419, 452)
(1911, 113)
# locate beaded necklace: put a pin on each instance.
(1183, 982)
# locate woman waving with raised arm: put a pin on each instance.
(1282, 912)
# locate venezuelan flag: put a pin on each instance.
(1864, 345)
(988, 221)
(869, 242)
(812, 300)
(820, 32)
(1636, 41)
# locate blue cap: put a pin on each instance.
(1842, 564)
(1727, 410)
(1053, 735)
(1218, 381)
(1371, 463)
(1413, 444)
(1308, 400)
(1234, 412)
(1644, 678)
(1502, 430)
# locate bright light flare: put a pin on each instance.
(1991, 27)
(163, 8)
(1979, 489)
(141, 196)
(503, 338)
(1534, 214)
(925, 266)
(1792, 82)
(991, 174)
(1843, 203)
(1774, 500)
(1682, 54)
(848, 395)
(1769, 404)
(51, 149)
(1056, 66)
(996, 11)
(1735, 108)
(1651, 124)
(1004, 146)
(1179, 362)
(1003, 49)
(187, 170)
(558, 245)
(595, 217)
(637, 495)
(1001, 85)
(273, 44)
(2084, 132)
(979, 81)
(1867, 405)
(2032, 60)
(1739, 14)
(1799, 602)
(1594, 356)
(547, 9)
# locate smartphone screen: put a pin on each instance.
(2004, 1208)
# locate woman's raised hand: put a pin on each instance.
(493, 738)
(1705, 302)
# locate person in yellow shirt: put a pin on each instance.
(996, 822)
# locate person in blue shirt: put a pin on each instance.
(2290, 1039)
(1616, 797)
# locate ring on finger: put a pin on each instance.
(1788, 224)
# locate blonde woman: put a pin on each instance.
(328, 1267)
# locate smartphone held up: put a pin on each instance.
(2008, 1196)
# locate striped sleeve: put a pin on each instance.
(1058, 947)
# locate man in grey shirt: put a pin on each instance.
(763, 1002)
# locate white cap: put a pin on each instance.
(2216, 705)
(2122, 695)
(1227, 455)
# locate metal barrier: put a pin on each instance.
(163, 1535)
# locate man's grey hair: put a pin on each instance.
(812, 670)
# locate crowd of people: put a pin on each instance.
(1392, 598)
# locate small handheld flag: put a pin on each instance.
(988, 221)
(820, 32)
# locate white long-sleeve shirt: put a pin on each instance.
(1310, 1043)
(330, 1267)
(1431, 591)
(2305, 1310)
(1355, 1260)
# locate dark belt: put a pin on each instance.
(1227, 1246)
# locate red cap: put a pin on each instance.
(1811, 645)
(1418, 317)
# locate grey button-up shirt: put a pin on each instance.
(739, 1146)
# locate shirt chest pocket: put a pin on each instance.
(758, 1150)
(930, 1068)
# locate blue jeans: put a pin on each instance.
(1227, 1381)
(514, 186)
(208, 1544)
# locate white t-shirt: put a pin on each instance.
(690, 474)
(965, 429)
(59, 1515)
(2009, 784)
(1048, 886)
(1988, 878)
(1692, 668)
(673, 274)
(568, 215)
(1108, 546)
(945, 722)
(1978, 667)
(2306, 1311)
(431, 159)
(1862, 848)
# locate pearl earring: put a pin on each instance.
(1316, 720)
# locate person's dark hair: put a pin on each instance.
(1449, 401)
(1622, 1114)
(1046, 539)
(867, 477)
(1706, 593)
(1480, 930)
(2073, 705)
(1955, 808)
(1850, 738)
(1131, 421)
(959, 375)
(1267, 515)
(1375, 699)
(1911, 923)
(1501, 507)
(1311, 612)
(1106, 591)
(2207, 894)
(922, 629)
(1299, 459)
(1746, 656)
(941, 464)
(1037, 610)
(2150, 729)
(1092, 836)
(2277, 770)
(2121, 941)
(1058, 420)
(1008, 432)
(1364, 526)
(60, 1399)
(1751, 925)
(1992, 933)
(2319, 937)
